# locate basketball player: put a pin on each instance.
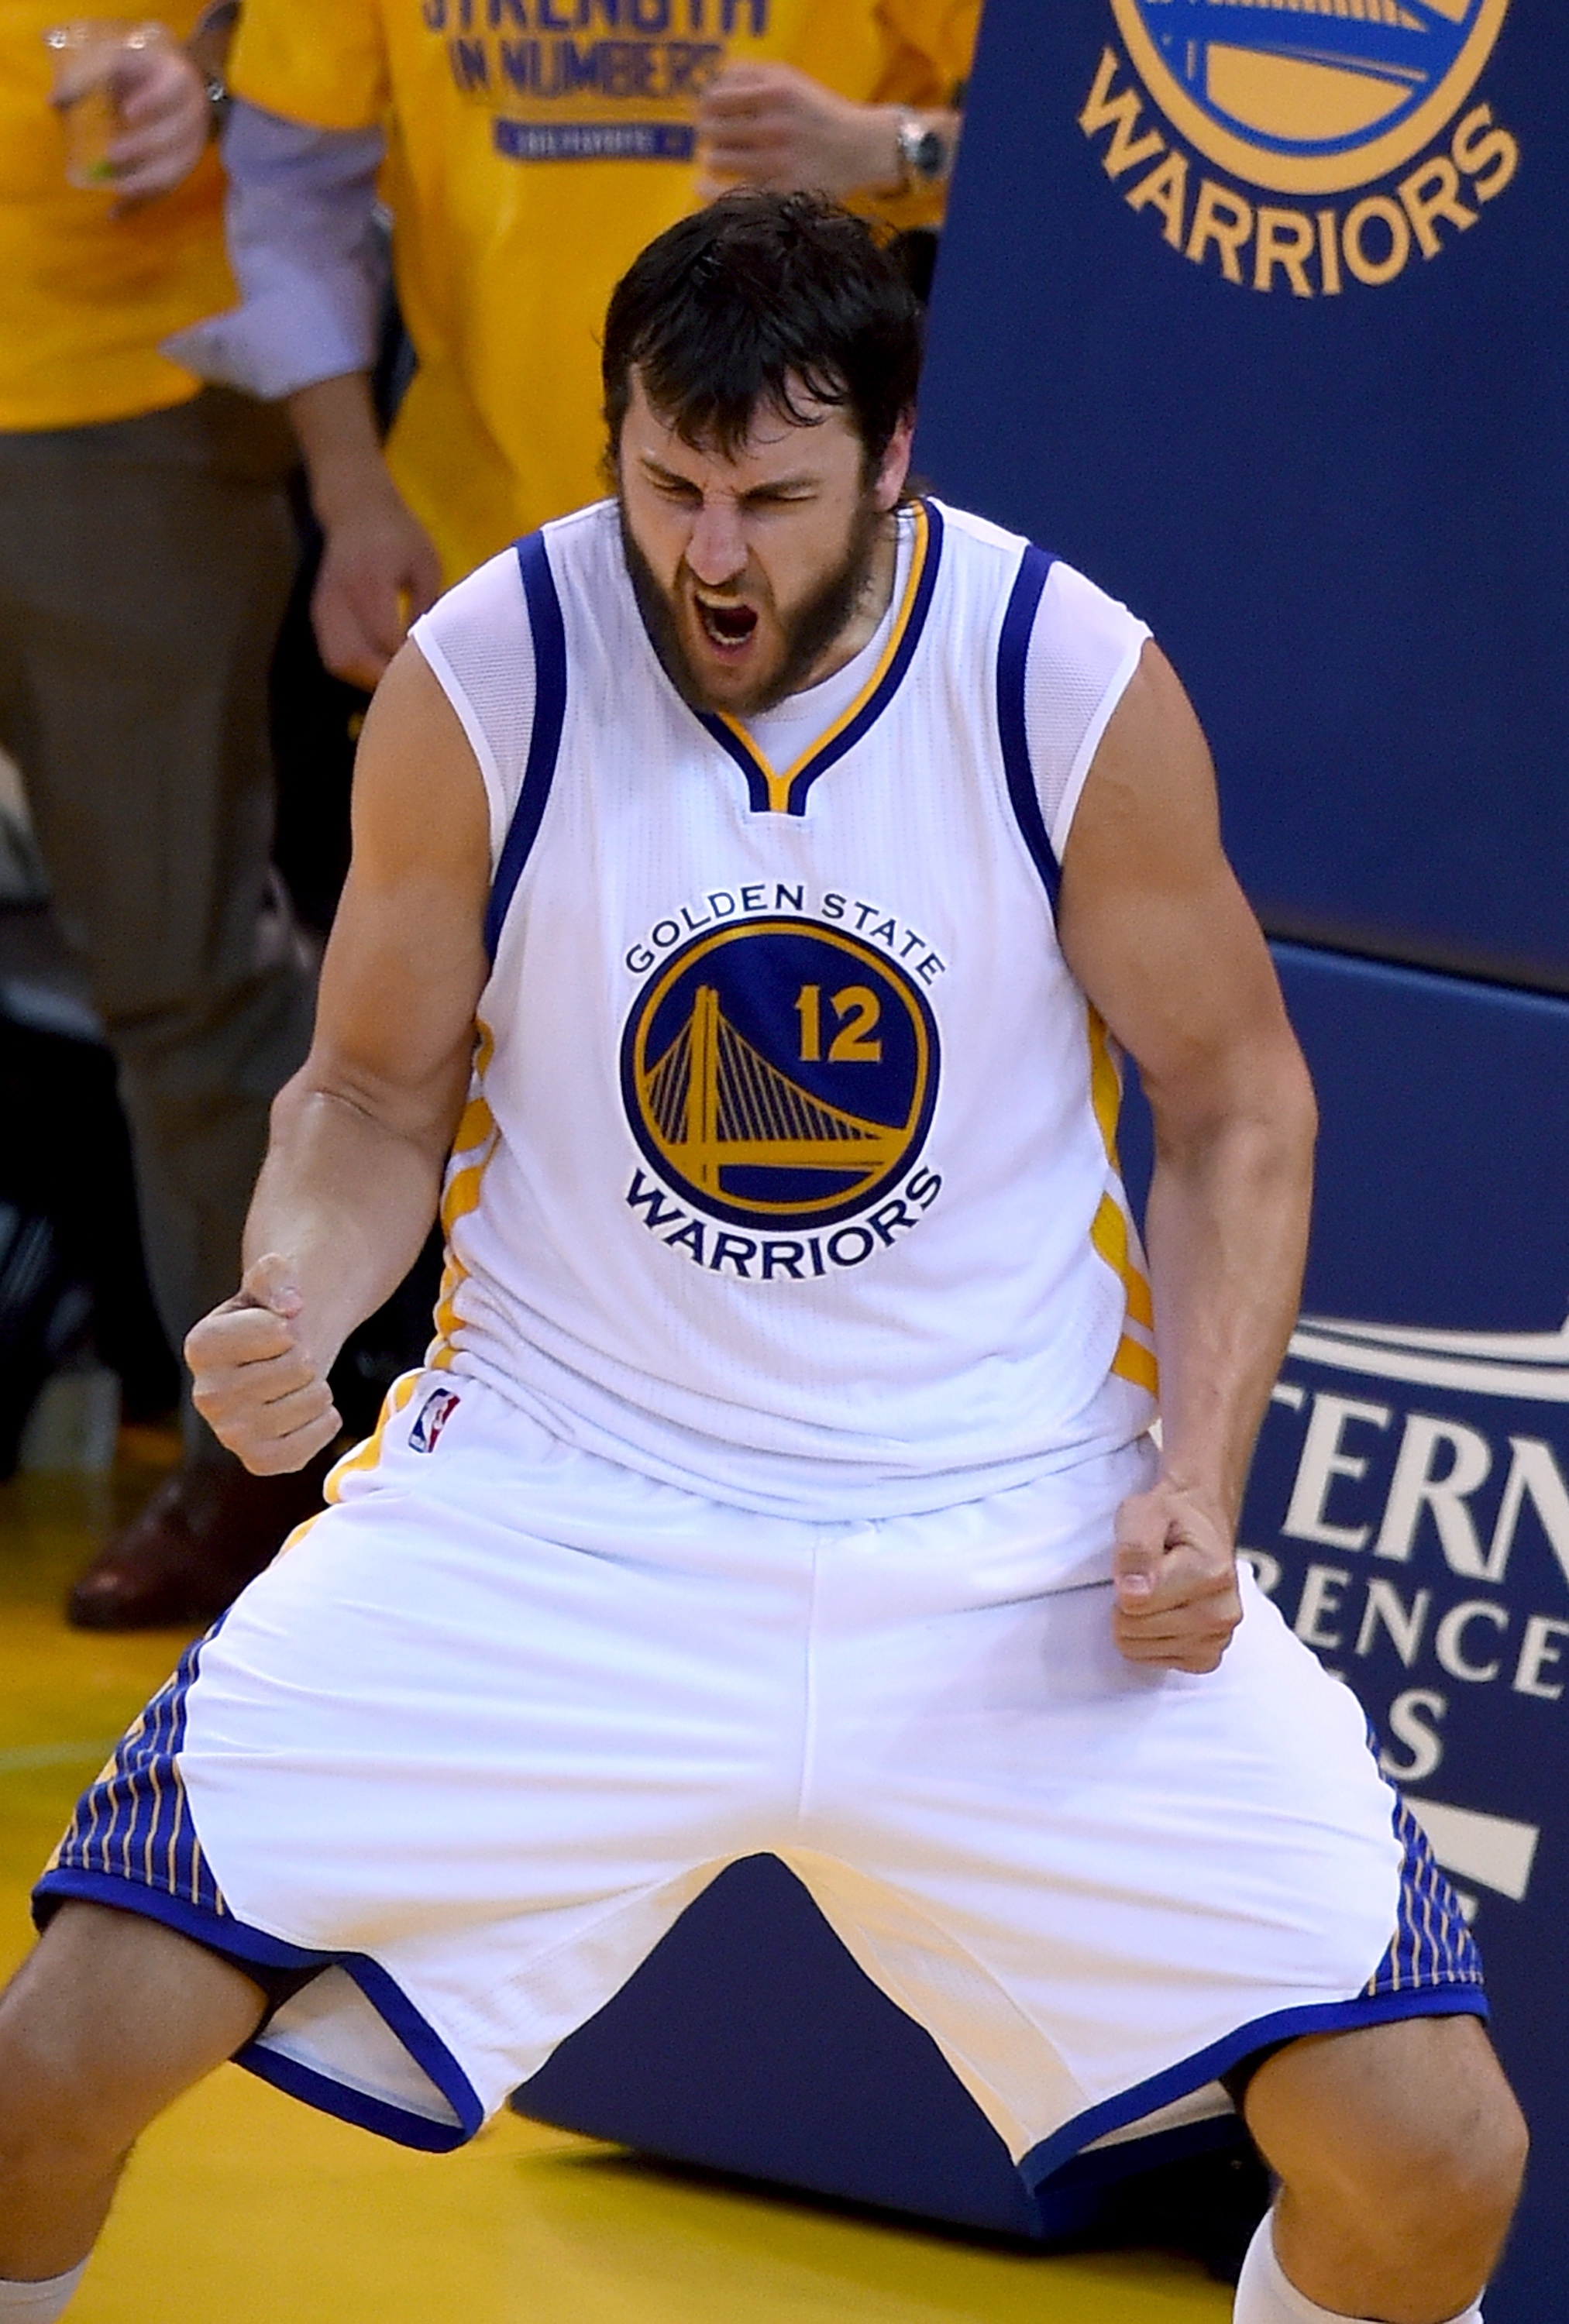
(756, 876)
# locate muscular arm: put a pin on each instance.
(1157, 930)
(361, 1134)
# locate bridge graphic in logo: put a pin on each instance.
(1309, 95)
(780, 1071)
(717, 1104)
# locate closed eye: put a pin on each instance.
(680, 491)
(768, 496)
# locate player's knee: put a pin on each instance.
(66, 2064)
(53, 2129)
(1442, 2175)
(1402, 2139)
(1486, 2158)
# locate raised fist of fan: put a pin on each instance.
(255, 1381)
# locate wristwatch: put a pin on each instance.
(219, 101)
(208, 49)
(924, 152)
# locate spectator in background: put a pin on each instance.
(146, 555)
(525, 168)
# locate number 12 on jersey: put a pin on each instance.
(857, 1009)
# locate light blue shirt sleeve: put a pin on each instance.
(308, 254)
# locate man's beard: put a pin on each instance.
(809, 632)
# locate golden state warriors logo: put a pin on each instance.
(1309, 95)
(781, 1075)
(1310, 98)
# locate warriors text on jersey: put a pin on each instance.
(790, 1171)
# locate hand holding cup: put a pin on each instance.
(134, 105)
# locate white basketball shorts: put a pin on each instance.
(488, 1725)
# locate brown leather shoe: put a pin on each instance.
(207, 1531)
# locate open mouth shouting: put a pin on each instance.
(727, 623)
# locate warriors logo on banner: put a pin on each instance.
(1365, 110)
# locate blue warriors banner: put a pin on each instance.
(1257, 312)
(1257, 309)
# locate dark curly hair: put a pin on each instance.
(761, 299)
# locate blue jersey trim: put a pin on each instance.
(1012, 655)
(221, 1933)
(134, 1822)
(728, 740)
(1207, 2065)
(367, 2113)
(549, 637)
(1432, 1945)
(215, 1930)
(1070, 2200)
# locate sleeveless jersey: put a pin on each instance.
(788, 1172)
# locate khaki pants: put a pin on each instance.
(144, 565)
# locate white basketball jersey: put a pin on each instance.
(788, 1173)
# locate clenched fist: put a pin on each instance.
(1174, 1572)
(255, 1382)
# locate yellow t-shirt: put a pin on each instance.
(535, 146)
(87, 298)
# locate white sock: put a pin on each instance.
(1266, 2294)
(39, 2304)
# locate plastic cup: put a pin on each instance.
(90, 60)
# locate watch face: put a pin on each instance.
(927, 154)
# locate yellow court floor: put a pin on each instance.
(244, 2207)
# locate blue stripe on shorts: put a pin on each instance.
(1431, 1946)
(134, 1822)
(132, 1844)
(1432, 1968)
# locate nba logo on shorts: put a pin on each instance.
(434, 1414)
